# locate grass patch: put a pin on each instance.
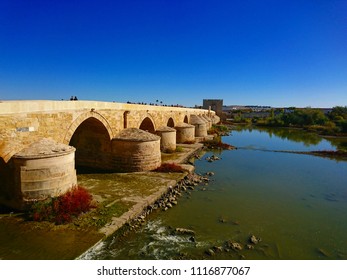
(179, 149)
(103, 215)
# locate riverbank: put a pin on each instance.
(125, 199)
(336, 155)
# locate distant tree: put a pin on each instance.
(272, 113)
(338, 113)
(302, 117)
(343, 125)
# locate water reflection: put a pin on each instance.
(339, 143)
(291, 134)
(299, 136)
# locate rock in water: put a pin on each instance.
(210, 252)
(323, 252)
(217, 248)
(234, 245)
(184, 231)
(254, 240)
(192, 239)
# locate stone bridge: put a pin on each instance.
(89, 126)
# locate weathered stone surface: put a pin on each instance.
(194, 119)
(166, 129)
(139, 152)
(43, 169)
(44, 148)
(200, 126)
(185, 133)
(167, 139)
(137, 135)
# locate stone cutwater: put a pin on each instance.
(185, 133)
(168, 139)
(135, 150)
(200, 126)
(41, 170)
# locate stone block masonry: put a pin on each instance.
(90, 127)
(136, 150)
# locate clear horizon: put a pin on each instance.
(267, 53)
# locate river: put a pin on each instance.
(295, 203)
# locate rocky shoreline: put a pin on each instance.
(166, 200)
(169, 199)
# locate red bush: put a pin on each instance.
(74, 202)
(64, 208)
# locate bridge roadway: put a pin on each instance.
(91, 125)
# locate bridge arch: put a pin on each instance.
(147, 124)
(80, 119)
(170, 122)
(92, 140)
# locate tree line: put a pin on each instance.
(331, 123)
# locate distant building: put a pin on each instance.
(215, 105)
(229, 108)
(326, 111)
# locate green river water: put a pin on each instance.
(296, 204)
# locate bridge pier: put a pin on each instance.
(136, 150)
(44, 169)
(185, 133)
(200, 126)
(167, 139)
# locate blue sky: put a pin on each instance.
(247, 52)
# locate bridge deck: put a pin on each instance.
(27, 106)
